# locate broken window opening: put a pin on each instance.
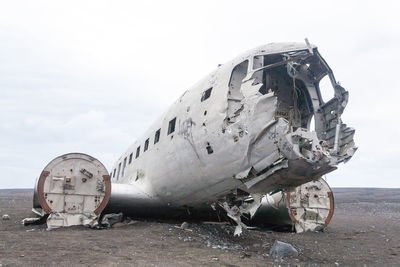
(146, 145)
(265, 60)
(171, 126)
(206, 94)
(137, 152)
(157, 136)
(294, 102)
(257, 62)
(261, 75)
(235, 96)
(130, 158)
(325, 88)
(123, 168)
(119, 170)
(239, 72)
(312, 124)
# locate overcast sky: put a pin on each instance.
(91, 76)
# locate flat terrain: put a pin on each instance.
(364, 231)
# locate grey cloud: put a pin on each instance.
(93, 78)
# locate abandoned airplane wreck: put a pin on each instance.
(239, 145)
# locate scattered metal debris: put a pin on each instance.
(281, 249)
(184, 225)
(243, 255)
(62, 219)
(115, 221)
(34, 221)
(110, 219)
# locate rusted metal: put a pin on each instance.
(290, 211)
(107, 195)
(40, 191)
(331, 208)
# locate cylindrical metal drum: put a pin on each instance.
(75, 186)
(308, 207)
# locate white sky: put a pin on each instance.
(91, 76)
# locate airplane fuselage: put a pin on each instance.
(234, 129)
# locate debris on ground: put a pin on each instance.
(119, 224)
(5, 217)
(218, 237)
(150, 242)
(244, 255)
(33, 221)
(63, 219)
(110, 219)
(281, 249)
(184, 225)
(116, 220)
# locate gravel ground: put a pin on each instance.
(364, 231)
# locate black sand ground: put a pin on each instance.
(365, 231)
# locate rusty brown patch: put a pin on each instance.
(331, 208)
(40, 191)
(107, 195)
(291, 215)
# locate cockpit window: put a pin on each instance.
(326, 89)
(239, 72)
(258, 62)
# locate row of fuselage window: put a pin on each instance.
(171, 128)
